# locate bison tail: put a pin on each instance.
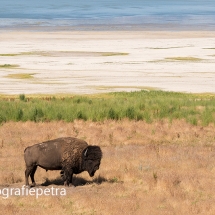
(26, 148)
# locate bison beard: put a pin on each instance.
(68, 154)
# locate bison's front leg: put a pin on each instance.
(68, 173)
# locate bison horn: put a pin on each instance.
(85, 153)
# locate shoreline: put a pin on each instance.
(109, 28)
(88, 62)
(141, 32)
(47, 25)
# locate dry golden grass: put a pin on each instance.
(159, 168)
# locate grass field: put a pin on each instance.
(159, 167)
(143, 105)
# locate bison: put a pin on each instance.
(68, 154)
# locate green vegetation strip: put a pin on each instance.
(8, 55)
(8, 66)
(113, 53)
(21, 76)
(18, 54)
(142, 105)
(60, 53)
(191, 59)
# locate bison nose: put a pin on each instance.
(92, 174)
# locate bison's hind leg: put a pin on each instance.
(30, 170)
(32, 175)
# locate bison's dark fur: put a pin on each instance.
(68, 154)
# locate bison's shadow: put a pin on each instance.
(77, 181)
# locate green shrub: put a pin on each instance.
(130, 113)
(112, 114)
(37, 115)
(22, 97)
(2, 119)
(19, 115)
(81, 115)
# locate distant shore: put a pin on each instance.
(43, 26)
(85, 62)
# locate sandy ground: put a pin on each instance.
(95, 62)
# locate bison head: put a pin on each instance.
(92, 157)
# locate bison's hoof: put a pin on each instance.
(33, 185)
(27, 186)
(68, 185)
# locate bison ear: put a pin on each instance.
(85, 153)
